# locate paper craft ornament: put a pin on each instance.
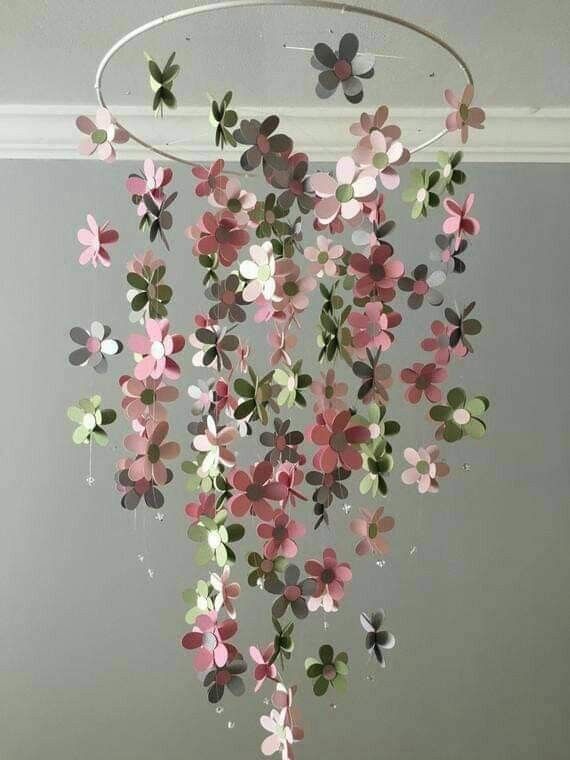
(91, 421)
(161, 82)
(377, 640)
(345, 67)
(223, 118)
(328, 670)
(460, 417)
(95, 344)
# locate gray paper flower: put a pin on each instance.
(95, 346)
(291, 593)
(343, 67)
(377, 639)
(230, 675)
(421, 286)
(265, 146)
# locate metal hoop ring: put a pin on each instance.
(328, 4)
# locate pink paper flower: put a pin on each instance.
(101, 135)
(371, 328)
(146, 260)
(235, 200)
(425, 469)
(209, 637)
(256, 490)
(218, 234)
(145, 399)
(330, 577)
(377, 274)
(374, 212)
(370, 123)
(338, 440)
(458, 222)
(156, 348)
(290, 475)
(422, 379)
(95, 239)
(369, 528)
(463, 116)
(380, 156)
(280, 734)
(440, 343)
(259, 271)
(150, 451)
(292, 289)
(280, 535)
(214, 443)
(282, 342)
(344, 195)
(263, 668)
(211, 178)
(226, 592)
(324, 257)
(204, 507)
(282, 699)
(329, 393)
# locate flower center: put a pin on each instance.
(99, 136)
(157, 349)
(461, 416)
(422, 382)
(342, 69)
(338, 441)
(89, 421)
(329, 672)
(209, 641)
(464, 111)
(372, 530)
(422, 467)
(153, 453)
(447, 169)
(280, 533)
(344, 193)
(291, 383)
(421, 195)
(292, 593)
(421, 287)
(280, 442)
(270, 216)
(148, 396)
(323, 257)
(263, 273)
(254, 492)
(93, 345)
(329, 391)
(234, 205)
(214, 539)
(290, 288)
(374, 430)
(327, 576)
(266, 566)
(222, 235)
(380, 161)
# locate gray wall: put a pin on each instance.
(90, 663)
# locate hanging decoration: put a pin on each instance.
(263, 260)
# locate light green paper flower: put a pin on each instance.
(328, 669)
(421, 193)
(214, 538)
(90, 419)
(450, 174)
(292, 382)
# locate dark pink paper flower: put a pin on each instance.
(290, 475)
(371, 328)
(204, 507)
(440, 343)
(422, 379)
(464, 116)
(377, 274)
(338, 440)
(211, 178)
(256, 490)
(218, 234)
(95, 239)
(156, 348)
(150, 451)
(280, 535)
(459, 222)
(263, 668)
(330, 576)
(209, 638)
(375, 122)
(369, 528)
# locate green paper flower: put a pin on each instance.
(334, 338)
(292, 382)
(223, 118)
(450, 175)
(161, 81)
(200, 599)
(90, 419)
(265, 570)
(328, 669)
(283, 643)
(378, 461)
(214, 538)
(255, 396)
(148, 294)
(421, 192)
(267, 214)
(461, 417)
(379, 428)
(462, 327)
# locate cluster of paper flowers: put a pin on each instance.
(256, 265)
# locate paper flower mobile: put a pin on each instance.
(95, 344)
(95, 239)
(91, 421)
(461, 417)
(377, 640)
(345, 67)
(161, 82)
(223, 118)
(263, 442)
(101, 134)
(327, 670)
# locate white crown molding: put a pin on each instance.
(512, 135)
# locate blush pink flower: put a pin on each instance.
(204, 507)
(95, 239)
(150, 451)
(459, 222)
(209, 638)
(342, 196)
(375, 122)
(218, 234)
(377, 274)
(280, 535)
(440, 343)
(292, 289)
(156, 348)
(283, 699)
(379, 156)
(330, 577)
(369, 528)
(338, 440)
(371, 328)
(323, 257)
(154, 179)
(263, 667)
(145, 399)
(425, 470)
(282, 342)
(422, 379)
(280, 734)
(463, 116)
(214, 442)
(211, 178)
(101, 135)
(256, 490)
(328, 392)
(226, 592)
(290, 475)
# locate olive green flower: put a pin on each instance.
(268, 214)
(421, 192)
(460, 417)
(223, 118)
(450, 174)
(90, 419)
(264, 570)
(292, 382)
(378, 461)
(255, 397)
(328, 669)
(161, 81)
(214, 538)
